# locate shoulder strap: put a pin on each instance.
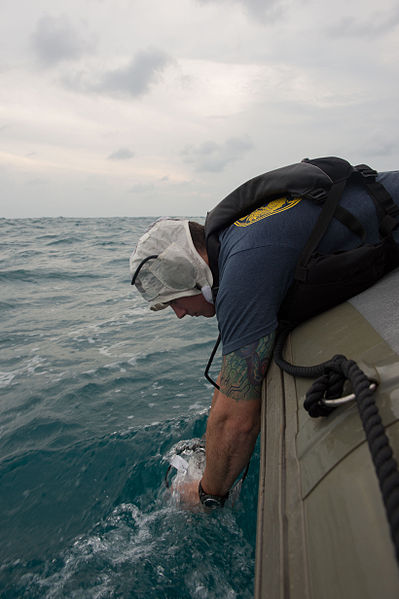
(318, 231)
(338, 169)
(350, 221)
(387, 210)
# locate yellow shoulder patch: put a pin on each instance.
(270, 209)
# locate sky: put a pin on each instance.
(151, 107)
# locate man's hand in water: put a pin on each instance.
(188, 493)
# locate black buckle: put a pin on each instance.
(317, 195)
(366, 171)
(301, 273)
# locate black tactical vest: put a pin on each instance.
(320, 281)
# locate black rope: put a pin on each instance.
(211, 357)
(332, 375)
(329, 385)
(385, 465)
(310, 372)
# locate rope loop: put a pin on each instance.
(313, 403)
(330, 384)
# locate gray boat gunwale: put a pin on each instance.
(322, 532)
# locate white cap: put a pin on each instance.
(168, 265)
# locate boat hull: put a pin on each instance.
(322, 530)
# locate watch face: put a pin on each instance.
(212, 502)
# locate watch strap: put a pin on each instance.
(211, 501)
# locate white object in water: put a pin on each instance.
(179, 463)
(188, 458)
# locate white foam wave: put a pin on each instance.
(6, 378)
(124, 538)
(29, 367)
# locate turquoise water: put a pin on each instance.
(95, 390)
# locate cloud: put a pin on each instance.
(377, 24)
(136, 78)
(261, 9)
(213, 157)
(37, 181)
(258, 9)
(55, 40)
(379, 144)
(121, 154)
(141, 188)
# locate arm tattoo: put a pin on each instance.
(243, 370)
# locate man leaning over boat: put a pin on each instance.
(256, 262)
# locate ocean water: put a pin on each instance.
(95, 390)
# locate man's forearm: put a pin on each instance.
(231, 434)
(233, 423)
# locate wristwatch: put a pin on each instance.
(211, 502)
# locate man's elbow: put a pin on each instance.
(245, 429)
(235, 419)
(240, 429)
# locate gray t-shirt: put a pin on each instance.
(259, 253)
